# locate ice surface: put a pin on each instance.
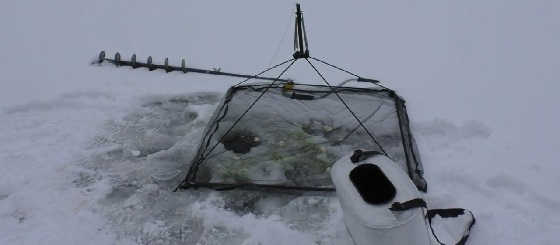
(126, 196)
(140, 205)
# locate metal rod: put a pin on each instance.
(222, 186)
(182, 68)
(299, 29)
(300, 47)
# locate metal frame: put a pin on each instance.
(190, 178)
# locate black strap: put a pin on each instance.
(360, 155)
(445, 213)
(450, 213)
(414, 203)
(431, 213)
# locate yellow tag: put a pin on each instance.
(288, 86)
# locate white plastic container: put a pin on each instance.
(375, 224)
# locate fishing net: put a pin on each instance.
(294, 133)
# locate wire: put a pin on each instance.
(203, 156)
(264, 71)
(284, 35)
(356, 128)
(336, 67)
(347, 107)
(248, 109)
(344, 70)
(304, 36)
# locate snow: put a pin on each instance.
(89, 153)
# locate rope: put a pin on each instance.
(347, 107)
(284, 35)
(344, 70)
(357, 127)
(295, 37)
(304, 36)
(248, 109)
(336, 67)
(264, 71)
(224, 109)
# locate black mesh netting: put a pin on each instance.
(294, 133)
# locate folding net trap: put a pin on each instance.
(286, 135)
(269, 132)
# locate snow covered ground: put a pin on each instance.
(89, 153)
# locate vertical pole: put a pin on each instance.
(117, 59)
(184, 65)
(166, 65)
(300, 32)
(300, 37)
(101, 56)
(133, 61)
(149, 64)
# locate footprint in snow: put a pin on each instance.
(513, 185)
